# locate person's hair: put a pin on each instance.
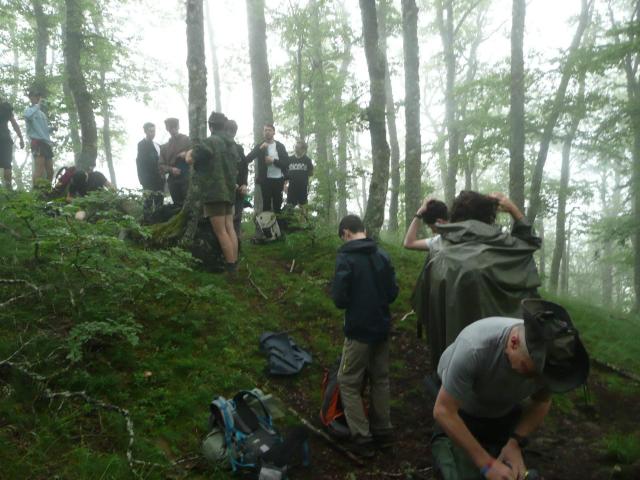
(231, 126)
(270, 125)
(147, 126)
(217, 121)
(302, 143)
(353, 223)
(172, 122)
(436, 209)
(470, 205)
(78, 184)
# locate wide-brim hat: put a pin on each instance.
(554, 345)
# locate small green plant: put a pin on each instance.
(623, 448)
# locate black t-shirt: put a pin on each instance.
(299, 171)
(96, 181)
(6, 113)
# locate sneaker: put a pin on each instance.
(362, 447)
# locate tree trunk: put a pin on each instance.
(299, 90)
(556, 109)
(42, 41)
(383, 11)
(197, 69)
(564, 280)
(260, 78)
(606, 269)
(446, 29)
(84, 103)
(106, 128)
(343, 137)
(543, 249)
(74, 125)
(374, 216)
(214, 58)
(413, 142)
(516, 112)
(564, 186)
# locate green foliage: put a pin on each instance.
(623, 448)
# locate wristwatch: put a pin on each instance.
(522, 441)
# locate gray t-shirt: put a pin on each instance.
(475, 370)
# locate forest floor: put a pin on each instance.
(146, 331)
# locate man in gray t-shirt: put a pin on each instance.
(494, 365)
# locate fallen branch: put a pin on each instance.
(615, 369)
(23, 282)
(14, 299)
(293, 265)
(407, 315)
(406, 474)
(254, 283)
(326, 436)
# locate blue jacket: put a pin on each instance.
(364, 285)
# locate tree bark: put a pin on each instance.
(197, 68)
(564, 280)
(105, 112)
(84, 102)
(299, 90)
(260, 78)
(556, 110)
(516, 111)
(413, 142)
(383, 10)
(374, 216)
(343, 137)
(214, 58)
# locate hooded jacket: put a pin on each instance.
(479, 272)
(364, 285)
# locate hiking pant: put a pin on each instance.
(452, 463)
(272, 194)
(360, 359)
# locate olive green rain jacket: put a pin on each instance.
(215, 162)
(480, 272)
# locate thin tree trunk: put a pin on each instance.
(106, 128)
(564, 280)
(564, 186)
(197, 68)
(299, 90)
(383, 11)
(446, 29)
(556, 110)
(516, 112)
(343, 137)
(260, 78)
(606, 269)
(413, 142)
(543, 249)
(42, 41)
(72, 51)
(214, 57)
(331, 182)
(374, 216)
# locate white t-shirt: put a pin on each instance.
(157, 147)
(272, 170)
(434, 244)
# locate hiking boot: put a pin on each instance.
(231, 268)
(362, 447)
(383, 441)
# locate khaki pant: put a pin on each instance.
(359, 359)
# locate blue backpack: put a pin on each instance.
(251, 443)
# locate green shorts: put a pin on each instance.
(218, 209)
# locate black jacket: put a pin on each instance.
(260, 153)
(364, 284)
(147, 163)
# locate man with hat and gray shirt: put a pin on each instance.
(492, 368)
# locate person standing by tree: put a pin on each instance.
(215, 162)
(298, 173)
(147, 163)
(273, 162)
(6, 143)
(241, 180)
(172, 161)
(39, 134)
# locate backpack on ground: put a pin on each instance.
(284, 355)
(331, 411)
(242, 433)
(267, 228)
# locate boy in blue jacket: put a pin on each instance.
(364, 285)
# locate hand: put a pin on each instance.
(423, 207)
(264, 145)
(512, 455)
(21, 143)
(506, 205)
(188, 157)
(268, 160)
(242, 189)
(181, 154)
(174, 171)
(499, 471)
(286, 187)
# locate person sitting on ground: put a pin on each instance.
(215, 161)
(364, 285)
(299, 171)
(242, 179)
(83, 183)
(273, 161)
(6, 143)
(495, 364)
(147, 164)
(172, 161)
(432, 212)
(479, 271)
